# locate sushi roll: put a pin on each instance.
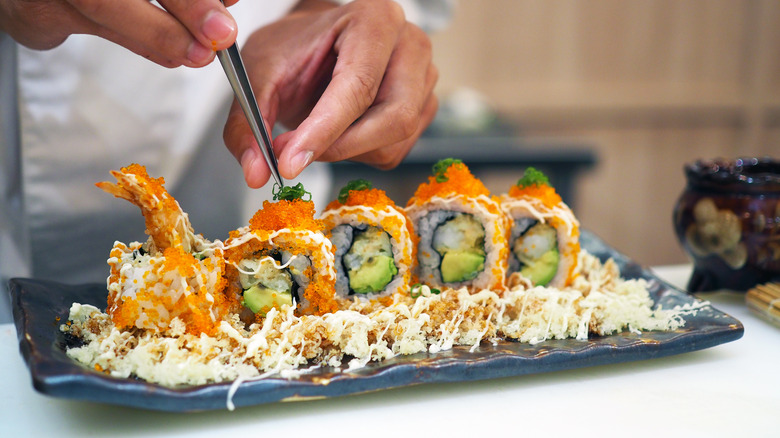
(175, 274)
(462, 230)
(373, 240)
(282, 258)
(544, 238)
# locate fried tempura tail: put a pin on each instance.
(166, 223)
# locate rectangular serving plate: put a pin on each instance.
(41, 306)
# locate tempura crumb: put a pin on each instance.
(599, 303)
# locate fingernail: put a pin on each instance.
(248, 158)
(198, 54)
(218, 27)
(302, 160)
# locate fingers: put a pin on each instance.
(389, 156)
(354, 82)
(180, 36)
(207, 20)
(385, 149)
(400, 108)
(242, 144)
(364, 48)
(42, 25)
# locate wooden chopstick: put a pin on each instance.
(764, 299)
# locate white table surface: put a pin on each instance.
(728, 390)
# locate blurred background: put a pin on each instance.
(611, 97)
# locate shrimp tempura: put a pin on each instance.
(166, 223)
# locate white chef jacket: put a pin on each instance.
(89, 106)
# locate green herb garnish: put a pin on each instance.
(290, 193)
(355, 184)
(416, 291)
(440, 168)
(531, 176)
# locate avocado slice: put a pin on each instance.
(260, 299)
(373, 275)
(543, 269)
(457, 266)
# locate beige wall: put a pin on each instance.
(651, 84)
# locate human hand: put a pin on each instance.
(352, 82)
(186, 32)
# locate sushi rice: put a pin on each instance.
(540, 221)
(368, 211)
(453, 193)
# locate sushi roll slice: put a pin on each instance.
(462, 230)
(544, 238)
(175, 274)
(282, 258)
(373, 240)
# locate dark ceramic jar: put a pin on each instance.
(728, 221)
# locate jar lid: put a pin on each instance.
(742, 175)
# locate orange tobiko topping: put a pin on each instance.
(155, 187)
(189, 294)
(140, 171)
(182, 261)
(374, 198)
(456, 180)
(543, 192)
(296, 215)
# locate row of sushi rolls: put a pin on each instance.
(363, 246)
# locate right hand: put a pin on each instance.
(354, 82)
(186, 32)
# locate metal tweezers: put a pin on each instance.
(233, 65)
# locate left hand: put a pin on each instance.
(183, 33)
(352, 82)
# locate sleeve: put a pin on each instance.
(430, 15)
(14, 243)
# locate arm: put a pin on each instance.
(352, 82)
(183, 33)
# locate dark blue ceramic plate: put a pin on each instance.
(40, 307)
